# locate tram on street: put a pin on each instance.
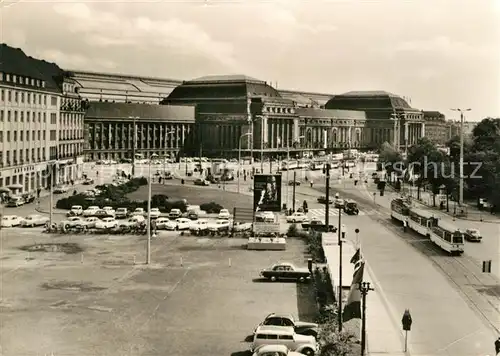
(400, 210)
(448, 237)
(421, 221)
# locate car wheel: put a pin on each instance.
(273, 279)
(66, 226)
(308, 352)
(293, 221)
(302, 279)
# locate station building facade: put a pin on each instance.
(127, 130)
(40, 136)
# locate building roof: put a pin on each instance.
(368, 100)
(224, 78)
(106, 110)
(15, 61)
(330, 113)
(220, 87)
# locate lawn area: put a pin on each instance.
(195, 195)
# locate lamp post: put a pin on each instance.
(134, 141)
(172, 132)
(261, 117)
(364, 288)
(298, 160)
(461, 192)
(148, 246)
(239, 157)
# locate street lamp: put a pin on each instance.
(261, 117)
(172, 132)
(239, 156)
(134, 142)
(461, 192)
(148, 246)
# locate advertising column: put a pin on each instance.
(267, 192)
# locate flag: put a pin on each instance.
(356, 257)
(352, 310)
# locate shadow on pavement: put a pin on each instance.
(306, 302)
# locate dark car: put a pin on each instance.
(286, 271)
(293, 182)
(322, 200)
(318, 225)
(301, 327)
(201, 182)
(192, 215)
(351, 208)
(29, 198)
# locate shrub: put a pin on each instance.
(211, 208)
(180, 204)
(159, 200)
(315, 246)
(292, 231)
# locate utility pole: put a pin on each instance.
(461, 192)
(288, 172)
(293, 194)
(364, 288)
(134, 143)
(51, 192)
(327, 202)
(341, 235)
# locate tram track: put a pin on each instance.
(480, 290)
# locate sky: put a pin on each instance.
(441, 54)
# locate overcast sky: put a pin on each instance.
(439, 53)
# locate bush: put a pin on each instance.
(292, 231)
(211, 208)
(316, 247)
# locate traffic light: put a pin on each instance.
(407, 320)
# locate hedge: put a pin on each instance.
(211, 208)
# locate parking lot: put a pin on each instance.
(199, 296)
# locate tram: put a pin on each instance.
(448, 237)
(421, 221)
(400, 210)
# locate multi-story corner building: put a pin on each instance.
(437, 129)
(31, 93)
(124, 130)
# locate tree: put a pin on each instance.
(333, 342)
(422, 159)
(391, 159)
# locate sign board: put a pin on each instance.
(267, 192)
(243, 215)
(266, 228)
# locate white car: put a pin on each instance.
(199, 225)
(175, 213)
(72, 222)
(138, 211)
(133, 221)
(242, 226)
(296, 217)
(178, 224)
(75, 210)
(61, 189)
(34, 220)
(224, 214)
(109, 210)
(275, 350)
(90, 222)
(155, 213)
(106, 223)
(11, 220)
(161, 223)
(91, 210)
(219, 225)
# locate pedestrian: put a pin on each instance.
(311, 183)
(405, 225)
(159, 180)
(497, 345)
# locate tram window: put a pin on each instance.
(447, 236)
(457, 238)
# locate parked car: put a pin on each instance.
(34, 220)
(270, 335)
(275, 350)
(224, 214)
(285, 270)
(76, 210)
(72, 221)
(199, 225)
(121, 213)
(174, 214)
(109, 210)
(473, 235)
(15, 201)
(161, 223)
(318, 225)
(90, 211)
(60, 189)
(132, 221)
(28, 198)
(242, 226)
(101, 214)
(88, 181)
(178, 224)
(322, 200)
(202, 182)
(106, 223)
(296, 217)
(138, 211)
(293, 182)
(89, 222)
(193, 215)
(11, 220)
(155, 213)
(219, 226)
(265, 216)
(287, 320)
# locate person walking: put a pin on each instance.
(405, 225)
(497, 346)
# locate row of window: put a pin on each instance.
(35, 135)
(16, 157)
(19, 116)
(21, 79)
(22, 97)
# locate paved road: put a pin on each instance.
(444, 323)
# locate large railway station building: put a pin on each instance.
(232, 113)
